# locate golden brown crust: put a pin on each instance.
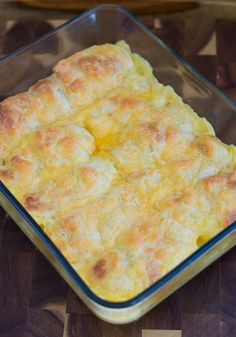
(122, 175)
(7, 174)
(92, 72)
(100, 269)
(230, 218)
(33, 202)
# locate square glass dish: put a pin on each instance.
(110, 23)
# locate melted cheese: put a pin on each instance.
(121, 174)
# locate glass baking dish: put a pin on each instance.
(109, 23)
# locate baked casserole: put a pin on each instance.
(122, 175)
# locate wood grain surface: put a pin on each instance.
(36, 302)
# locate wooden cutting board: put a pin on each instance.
(36, 302)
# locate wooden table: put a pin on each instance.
(34, 300)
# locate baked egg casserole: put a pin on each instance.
(122, 175)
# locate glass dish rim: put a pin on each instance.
(42, 235)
